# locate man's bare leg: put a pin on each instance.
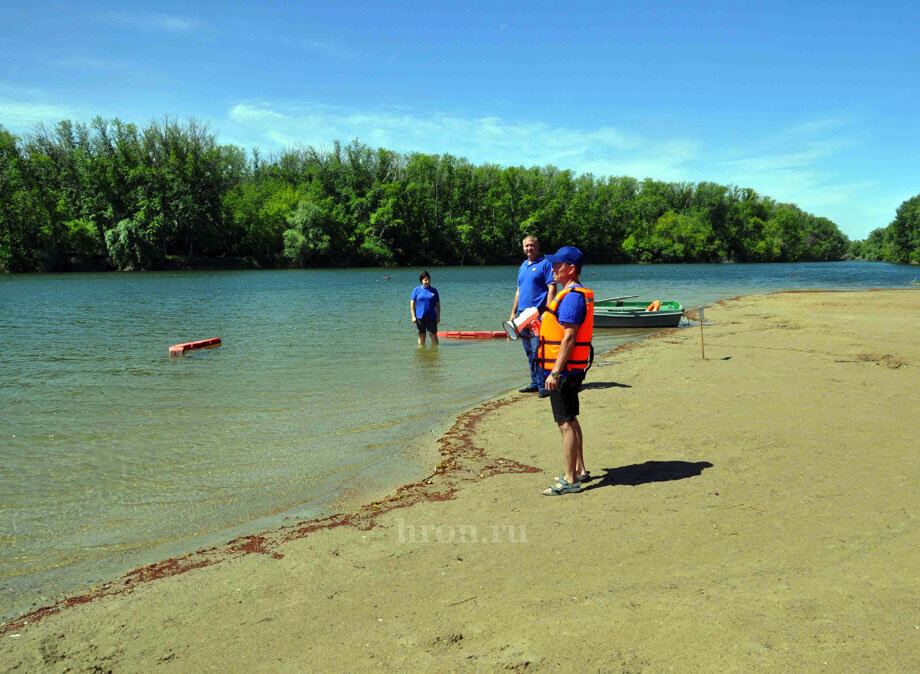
(571, 448)
(579, 447)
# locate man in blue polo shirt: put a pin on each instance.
(535, 288)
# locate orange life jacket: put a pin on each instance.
(552, 332)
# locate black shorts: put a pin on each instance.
(564, 398)
(426, 323)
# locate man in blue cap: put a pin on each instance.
(535, 287)
(564, 353)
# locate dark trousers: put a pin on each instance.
(531, 342)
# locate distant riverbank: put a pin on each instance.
(178, 263)
(171, 263)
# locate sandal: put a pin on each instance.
(584, 477)
(562, 487)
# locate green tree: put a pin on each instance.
(786, 228)
(130, 248)
(307, 241)
(82, 243)
(823, 241)
(904, 233)
(31, 217)
(73, 192)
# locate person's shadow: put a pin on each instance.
(650, 471)
(603, 384)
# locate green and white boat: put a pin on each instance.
(617, 313)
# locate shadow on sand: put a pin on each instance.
(604, 384)
(650, 471)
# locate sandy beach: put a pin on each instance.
(756, 510)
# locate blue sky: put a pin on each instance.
(817, 103)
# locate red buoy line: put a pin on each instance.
(473, 334)
(180, 349)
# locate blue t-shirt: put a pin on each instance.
(533, 279)
(573, 308)
(425, 299)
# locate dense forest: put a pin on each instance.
(113, 195)
(898, 242)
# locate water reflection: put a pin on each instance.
(426, 366)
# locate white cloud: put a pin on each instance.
(798, 164)
(791, 158)
(801, 164)
(88, 63)
(246, 112)
(157, 22)
(21, 118)
(603, 150)
(328, 48)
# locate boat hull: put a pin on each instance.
(634, 315)
(637, 319)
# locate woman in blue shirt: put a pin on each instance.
(425, 307)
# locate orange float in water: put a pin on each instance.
(180, 349)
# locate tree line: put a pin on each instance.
(899, 242)
(112, 195)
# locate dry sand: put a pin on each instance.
(757, 510)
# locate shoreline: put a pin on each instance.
(682, 452)
(351, 506)
(451, 447)
(366, 489)
(348, 505)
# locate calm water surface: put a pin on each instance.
(112, 454)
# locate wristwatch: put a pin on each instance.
(555, 374)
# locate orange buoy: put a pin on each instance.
(179, 349)
(654, 306)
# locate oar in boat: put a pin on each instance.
(617, 299)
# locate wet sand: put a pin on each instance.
(754, 510)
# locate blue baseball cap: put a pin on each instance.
(569, 255)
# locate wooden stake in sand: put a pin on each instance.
(700, 317)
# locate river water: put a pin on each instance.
(112, 454)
